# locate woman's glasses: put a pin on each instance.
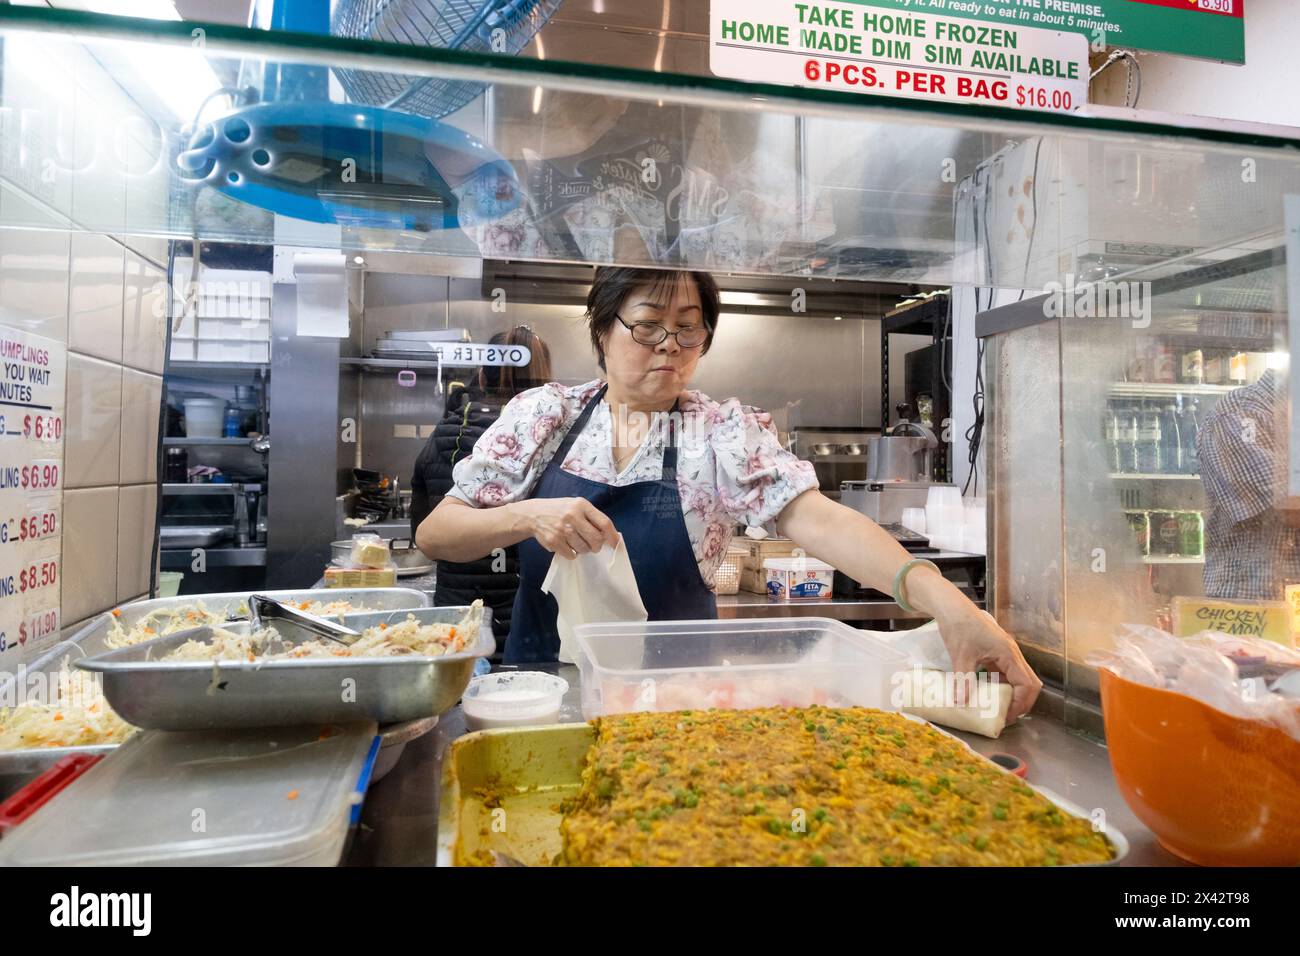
(651, 333)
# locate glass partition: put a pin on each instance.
(162, 136)
(572, 163)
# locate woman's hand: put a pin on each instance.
(568, 526)
(975, 640)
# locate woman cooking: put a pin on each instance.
(566, 469)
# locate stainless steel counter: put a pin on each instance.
(399, 821)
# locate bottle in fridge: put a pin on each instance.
(1188, 424)
(1126, 439)
(1110, 434)
(1171, 444)
(1148, 443)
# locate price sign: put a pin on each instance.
(33, 371)
(857, 47)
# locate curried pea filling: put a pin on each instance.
(813, 786)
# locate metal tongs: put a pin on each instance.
(262, 609)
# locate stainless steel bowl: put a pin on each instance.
(409, 559)
(825, 448)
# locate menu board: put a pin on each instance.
(33, 371)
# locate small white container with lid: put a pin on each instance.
(513, 699)
(798, 579)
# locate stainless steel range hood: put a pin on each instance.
(538, 283)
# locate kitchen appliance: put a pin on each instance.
(883, 501)
(204, 515)
(895, 456)
(837, 454)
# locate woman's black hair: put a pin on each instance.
(612, 286)
(511, 381)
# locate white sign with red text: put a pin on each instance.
(858, 48)
(33, 372)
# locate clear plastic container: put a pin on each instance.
(732, 664)
(245, 798)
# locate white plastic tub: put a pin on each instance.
(203, 417)
(513, 699)
(798, 579)
(732, 664)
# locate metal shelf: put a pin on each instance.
(191, 442)
(234, 370)
(1159, 389)
(840, 459)
(179, 559)
(1135, 476)
(211, 488)
(386, 365)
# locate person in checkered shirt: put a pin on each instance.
(1252, 548)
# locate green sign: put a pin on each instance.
(1213, 29)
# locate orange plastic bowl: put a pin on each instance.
(1215, 789)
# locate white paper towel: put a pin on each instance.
(592, 587)
(322, 293)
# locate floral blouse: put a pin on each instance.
(730, 466)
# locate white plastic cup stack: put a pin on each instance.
(913, 519)
(975, 527)
(944, 518)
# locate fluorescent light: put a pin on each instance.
(179, 76)
(1277, 360)
(148, 9)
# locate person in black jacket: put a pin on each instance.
(470, 410)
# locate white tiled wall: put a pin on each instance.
(79, 277)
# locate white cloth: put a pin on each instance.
(592, 587)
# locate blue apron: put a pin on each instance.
(649, 516)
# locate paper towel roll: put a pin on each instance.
(322, 293)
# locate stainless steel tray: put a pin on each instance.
(197, 536)
(528, 771)
(19, 766)
(200, 695)
(91, 637)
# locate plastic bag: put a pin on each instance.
(1231, 673)
(371, 551)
